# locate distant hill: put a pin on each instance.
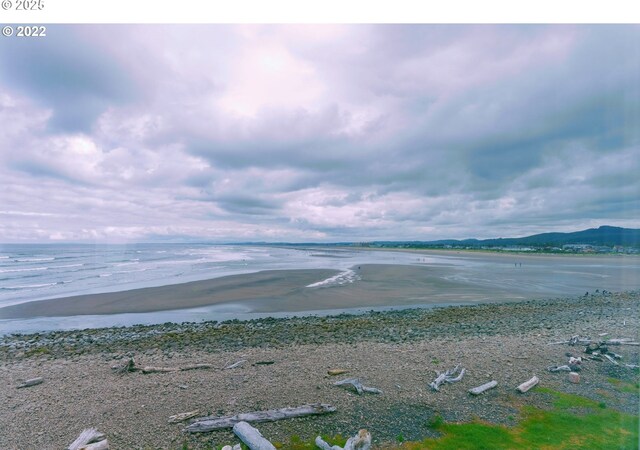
(603, 236)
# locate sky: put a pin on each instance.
(326, 133)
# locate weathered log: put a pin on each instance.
(31, 382)
(632, 366)
(359, 387)
(480, 389)
(622, 341)
(610, 359)
(210, 423)
(236, 364)
(524, 387)
(197, 367)
(101, 445)
(564, 368)
(183, 416)
(334, 372)
(154, 369)
(252, 437)
(447, 377)
(361, 441)
(129, 366)
(88, 436)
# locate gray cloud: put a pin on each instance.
(318, 132)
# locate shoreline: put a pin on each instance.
(396, 351)
(371, 285)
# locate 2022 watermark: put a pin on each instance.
(24, 31)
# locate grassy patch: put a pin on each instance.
(594, 427)
(625, 386)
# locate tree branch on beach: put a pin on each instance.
(252, 437)
(361, 441)
(90, 439)
(130, 366)
(359, 387)
(210, 423)
(447, 377)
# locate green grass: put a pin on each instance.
(573, 423)
(625, 386)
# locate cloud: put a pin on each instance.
(318, 132)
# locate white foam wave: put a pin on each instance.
(34, 259)
(66, 265)
(29, 269)
(30, 286)
(345, 277)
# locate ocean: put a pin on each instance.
(39, 272)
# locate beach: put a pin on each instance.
(287, 361)
(408, 278)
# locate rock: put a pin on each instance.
(574, 377)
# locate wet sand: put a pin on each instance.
(482, 277)
(275, 291)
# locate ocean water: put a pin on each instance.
(38, 272)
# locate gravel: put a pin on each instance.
(398, 352)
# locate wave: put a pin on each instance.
(345, 277)
(25, 269)
(65, 266)
(34, 259)
(31, 286)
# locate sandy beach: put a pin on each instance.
(477, 277)
(287, 361)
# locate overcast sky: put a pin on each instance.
(317, 133)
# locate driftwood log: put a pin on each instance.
(563, 368)
(236, 364)
(31, 382)
(252, 437)
(183, 416)
(485, 387)
(361, 441)
(447, 377)
(211, 423)
(358, 386)
(90, 439)
(524, 387)
(130, 366)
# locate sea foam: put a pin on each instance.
(345, 277)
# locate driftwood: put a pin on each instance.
(447, 377)
(31, 382)
(632, 366)
(361, 441)
(524, 387)
(130, 366)
(359, 387)
(334, 372)
(90, 439)
(485, 387)
(606, 355)
(236, 364)
(183, 416)
(575, 340)
(564, 368)
(210, 423)
(252, 437)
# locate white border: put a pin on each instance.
(327, 11)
